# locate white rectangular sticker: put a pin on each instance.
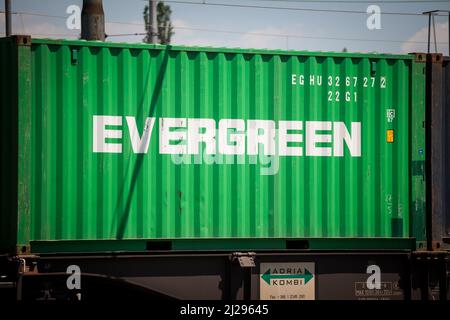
(287, 281)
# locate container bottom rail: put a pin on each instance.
(265, 275)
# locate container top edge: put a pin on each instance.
(124, 45)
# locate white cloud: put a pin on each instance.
(422, 37)
(49, 30)
(180, 25)
(270, 37)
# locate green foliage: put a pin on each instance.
(164, 24)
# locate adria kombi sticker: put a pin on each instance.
(287, 281)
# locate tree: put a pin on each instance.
(165, 28)
(164, 25)
(344, 50)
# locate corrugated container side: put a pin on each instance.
(418, 152)
(15, 97)
(77, 194)
(8, 146)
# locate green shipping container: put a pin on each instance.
(109, 146)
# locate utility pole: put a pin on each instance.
(92, 20)
(7, 18)
(430, 13)
(433, 13)
(153, 22)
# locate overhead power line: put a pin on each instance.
(223, 31)
(278, 35)
(36, 14)
(358, 1)
(246, 6)
(230, 5)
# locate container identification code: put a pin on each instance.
(335, 83)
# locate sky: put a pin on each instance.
(230, 26)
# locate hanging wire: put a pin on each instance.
(231, 5)
(237, 32)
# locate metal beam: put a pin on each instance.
(153, 22)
